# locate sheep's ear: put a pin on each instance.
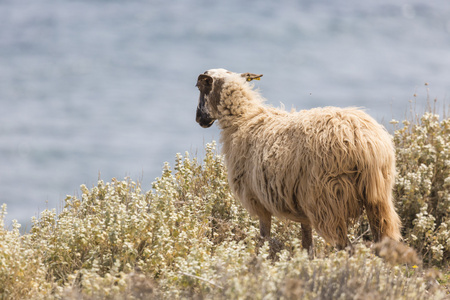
(204, 83)
(205, 79)
(251, 76)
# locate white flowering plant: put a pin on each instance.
(188, 237)
(422, 187)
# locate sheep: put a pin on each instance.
(321, 167)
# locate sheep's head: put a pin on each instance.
(210, 84)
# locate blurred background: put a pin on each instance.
(93, 88)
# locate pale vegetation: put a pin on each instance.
(188, 238)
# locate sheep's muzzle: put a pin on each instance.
(206, 123)
(203, 118)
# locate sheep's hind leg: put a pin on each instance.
(307, 241)
(375, 227)
(265, 223)
(344, 242)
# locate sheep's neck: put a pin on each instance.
(239, 106)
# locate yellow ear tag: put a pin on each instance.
(250, 79)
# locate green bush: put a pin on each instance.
(189, 238)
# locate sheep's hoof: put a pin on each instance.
(310, 253)
(275, 245)
(349, 248)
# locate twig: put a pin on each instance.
(362, 234)
(202, 279)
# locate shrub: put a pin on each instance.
(423, 185)
(188, 237)
(22, 271)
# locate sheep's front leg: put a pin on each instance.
(307, 241)
(265, 223)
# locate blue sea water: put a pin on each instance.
(91, 87)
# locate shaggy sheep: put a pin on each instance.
(320, 167)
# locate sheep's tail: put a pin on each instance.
(383, 219)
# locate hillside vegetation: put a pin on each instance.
(189, 238)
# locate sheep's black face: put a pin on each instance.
(205, 86)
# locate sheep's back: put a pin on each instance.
(344, 138)
(284, 160)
